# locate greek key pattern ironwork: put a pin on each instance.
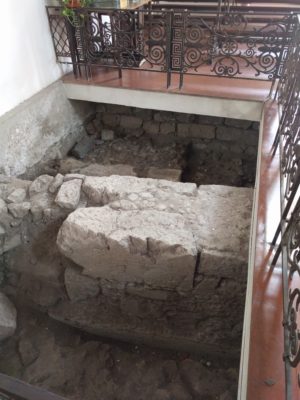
(226, 44)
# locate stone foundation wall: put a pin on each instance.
(211, 134)
(142, 260)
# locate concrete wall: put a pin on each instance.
(42, 128)
(28, 60)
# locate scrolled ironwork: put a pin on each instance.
(226, 43)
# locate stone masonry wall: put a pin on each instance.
(213, 150)
(144, 260)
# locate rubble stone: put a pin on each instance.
(69, 194)
(56, 183)
(40, 184)
(17, 196)
(19, 210)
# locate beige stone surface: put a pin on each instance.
(148, 247)
(69, 194)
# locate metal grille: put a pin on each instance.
(226, 44)
(288, 142)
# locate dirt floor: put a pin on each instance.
(196, 165)
(80, 366)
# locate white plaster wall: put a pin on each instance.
(28, 61)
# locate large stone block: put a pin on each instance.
(224, 217)
(149, 247)
(103, 190)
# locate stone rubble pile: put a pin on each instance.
(131, 258)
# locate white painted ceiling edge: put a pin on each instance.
(28, 61)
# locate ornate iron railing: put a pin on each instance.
(288, 142)
(185, 42)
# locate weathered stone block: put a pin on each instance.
(17, 196)
(167, 128)
(230, 134)
(108, 189)
(224, 214)
(133, 246)
(80, 287)
(151, 127)
(40, 185)
(8, 317)
(56, 183)
(107, 135)
(118, 109)
(108, 170)
(164, 173)
(164, 116)
(183, 130)
(130, 122)
(202, 131)
(69, 194)
(209, 120)
(70, 177)
(39, 203)
(111, 120)
(250, 138)
(83, 147)
(238, 123)
(19, 210)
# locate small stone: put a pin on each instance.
(56, 183)
(17, 196)
(70, 177)
(28, 352)
(39, 203)
(8, 317)
(85, 145)
(91, 128)
(107, 134)
(19, 210)
(69, 194)
(70, 164)
(40, 185)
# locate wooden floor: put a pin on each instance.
(216, 87)
(266, 376)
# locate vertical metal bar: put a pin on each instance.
(183, 43)
(169, 32)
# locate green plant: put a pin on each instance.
(70, 5)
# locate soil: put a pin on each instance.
(201, 167)
(76, 365)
